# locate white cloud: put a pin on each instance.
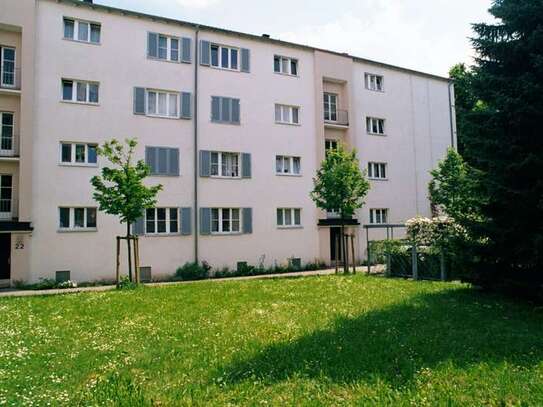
(198, 3)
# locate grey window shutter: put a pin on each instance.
(173, 162)
(235, 111)
(152, 45)
(151, 158)
(138, 227)
(162, 161)
(186, 102)
(205, 221)
(246, 165)
(245, 60)
(205, 52)
(226, 104)
(247, 219)
(215, 108)
(186, 49)
(139, 100)
(186, 221)
(205, 163)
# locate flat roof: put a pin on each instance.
(109, 9)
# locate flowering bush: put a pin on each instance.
(439, 232)
(67, 284)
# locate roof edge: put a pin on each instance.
(137, 14)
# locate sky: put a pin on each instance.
(425, 35)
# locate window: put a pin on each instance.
(6, 191)
(289, 217)
(285, 165)
(224, 57)
(161, 221)
(374, 82)
(378, 216)
(162, 103)
(79, 91)
(7, 67)
(78, 153)
(162, 160)
(377, 170)
(79, 30)
(77, 218)
(6, 132)
(168, 48)
(225, 110)
(287, 114)
(225, 164)
(330, 107)
(285, 65)
(375, 126)
(330, 145)
(225, 220)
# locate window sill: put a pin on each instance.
(83, 165)
(228, 123)
(162, 234)
(377, 134)
(74, 102)
(226, 233)
(377, 179)
(81, 230)
(286, 74)
(220, 68)
(279, 174)
(164, 175)
(150, 58)
(224, 177)
(81, 42)
(290, 227)
(288, 124)
(157, 116)
(375, 90)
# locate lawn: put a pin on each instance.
(331, 340)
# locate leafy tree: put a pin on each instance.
(340, 185)
(503, 139)
(120, 190)
(465, 101)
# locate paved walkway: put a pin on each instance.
(26, 293)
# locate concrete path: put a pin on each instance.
(26, 293)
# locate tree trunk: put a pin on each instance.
(129, 251)
(343, 246)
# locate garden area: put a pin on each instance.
(333, 340)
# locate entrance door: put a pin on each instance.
(335, 244)
(5, 253)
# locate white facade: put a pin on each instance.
(416, 109)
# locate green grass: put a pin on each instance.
(311, 341)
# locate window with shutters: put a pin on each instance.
(162, 103)
(289, 217)
(378, 216)
(162, 160)
(168, 48)
(374, 82)
(225, 164)
(82, 31)
(77, 219)
(375, 126)
(285, 114)
(78, 154)
(225, 220)
(224, 57)
(377, 170)
(76, 91)
(286, 165)
(285, 65)
(225, 110)
(162, 221)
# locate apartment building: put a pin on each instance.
(234, 126)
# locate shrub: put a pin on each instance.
(126, 284)
(193, 271)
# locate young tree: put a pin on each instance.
(340, 185)
(120, 191)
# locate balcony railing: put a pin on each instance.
(8, 209)
(10, 79)
(9, 146)
(337, 117)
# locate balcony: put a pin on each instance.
(10, 80)
(9, 148)
(8, 210)
(336, 119)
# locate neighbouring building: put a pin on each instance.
(233, 125)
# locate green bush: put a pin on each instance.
(126, 284)
(193, 271)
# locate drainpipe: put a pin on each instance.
(451, 113)
(195, 120)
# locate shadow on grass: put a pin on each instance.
(459, 326)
